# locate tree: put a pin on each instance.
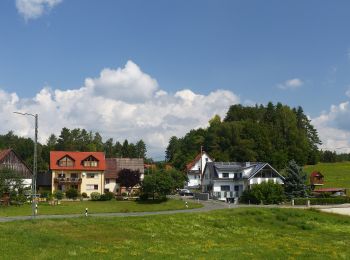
(11, 182)
(72, 194)
(128, 178)
(295, 181)
(157, 184)
(141, 149)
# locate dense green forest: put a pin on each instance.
(272, 133)
(70, 140)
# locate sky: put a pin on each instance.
(136, 69)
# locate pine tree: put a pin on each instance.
(295, 179)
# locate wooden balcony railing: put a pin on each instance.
(67, 180)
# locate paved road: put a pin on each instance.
(207, 206)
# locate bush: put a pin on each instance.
(84, 195)
(124, 194)
(266, 192)
(95, 196)
(72, 194)
(322, 201)
(45, 194)
(144, 196)
(58, 194)
(107, 196)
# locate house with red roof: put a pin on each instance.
(83, 171)
(195, 169)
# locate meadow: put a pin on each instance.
(242, 233)
(335, 174)
(78, 207)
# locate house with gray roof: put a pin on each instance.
(227, 180)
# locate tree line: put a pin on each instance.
(273, 133)
(71, 140)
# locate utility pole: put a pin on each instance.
(35, 164)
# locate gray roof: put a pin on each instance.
(253, 167)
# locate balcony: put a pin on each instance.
(67, 180)
(225, 194)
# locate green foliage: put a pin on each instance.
(128, 178)
(95, 196)
(322, 201)
(295, 181)
(266, 192)
(272, 133)
(84, 195)
(72, 194)
(45, 194)
(162, 182)
(58, 194)
(107, 196)
(11, 182)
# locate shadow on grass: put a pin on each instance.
(151, 202)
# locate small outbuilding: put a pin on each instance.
(316, 179)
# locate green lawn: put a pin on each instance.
(78, 207)
(243, 233)
(335, 174)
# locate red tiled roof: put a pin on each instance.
(316, 174)
(78, 157)
(191, 164)
(3, 153)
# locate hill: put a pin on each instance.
(336, 175)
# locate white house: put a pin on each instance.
(227, 180)
(195, 170)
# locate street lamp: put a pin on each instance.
(35, 166)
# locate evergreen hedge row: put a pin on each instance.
(322, 201)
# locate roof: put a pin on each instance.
(329, 190)
(78, 158)
(316, 174)
(196, 159)
(4, 153)
(115, 165)
(44, 178)
(250, 169)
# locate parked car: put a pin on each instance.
(185, 192)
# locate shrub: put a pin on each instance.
(58, 194)
(107, 196)
(84, 195)
(144, 196)
(322, 201)
(266, 192)
(95, 196)
(45, 194)
(124, 194)
(72, 194)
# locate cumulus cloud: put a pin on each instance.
(120, 103)
(291, 84)
(32, 9)
(334, 127)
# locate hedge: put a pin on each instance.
(322, 201)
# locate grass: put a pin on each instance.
(243, 233)
(336, 175)
(78, 207)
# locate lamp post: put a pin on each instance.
(35, 166)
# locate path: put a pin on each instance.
(207, 206)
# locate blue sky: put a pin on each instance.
(295, 52)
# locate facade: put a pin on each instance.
(115, 165)
(195, 170)
(83, 171)
(316, 179)
(11, 160)
(227, 180)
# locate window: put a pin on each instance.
(106, 181)
(90, 162)
(91, 186)
(61, 175)
(225, 175)
(92, 175)
(66, 162)
(236, 187)
(74, 175)
(225, 187)
(206, 159)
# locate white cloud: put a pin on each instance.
(32, 9)
(334, 128)
(291, 84)
(120, 103)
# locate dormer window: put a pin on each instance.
(66, 162)
(225, 175)
(90, 162)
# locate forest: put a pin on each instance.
(70, 140)
(273, 133)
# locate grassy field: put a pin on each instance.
(78, 207)
(243, 233)
(335, 174)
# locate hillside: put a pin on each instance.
(335, 174)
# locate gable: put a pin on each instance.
(90, 161)
(265, 171)
(11, 160)
(66, 161)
